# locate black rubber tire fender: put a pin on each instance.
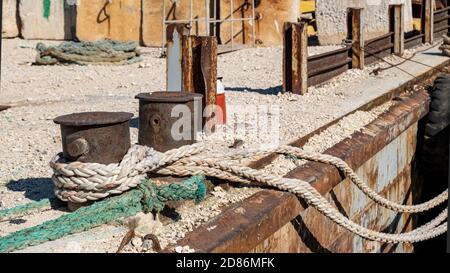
(439, 116)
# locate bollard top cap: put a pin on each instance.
(169, 97)
(93, 118)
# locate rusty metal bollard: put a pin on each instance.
(156, 122)
(98, 137)
(199, 70)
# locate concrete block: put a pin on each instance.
(47, 19)
(10, 28)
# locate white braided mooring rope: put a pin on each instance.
(81, 182)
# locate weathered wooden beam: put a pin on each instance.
(357, 29)
(428, 22)
(295, 58)
(398, 25)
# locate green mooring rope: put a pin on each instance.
(146, 198)
(102, 52)
(22, 210)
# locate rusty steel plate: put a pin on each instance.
(378, 48)
(380, 40)
(325, 66)
(328, 61)
(413, 41)
(333, 71)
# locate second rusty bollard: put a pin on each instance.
(158, 128)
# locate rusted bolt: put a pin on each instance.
(98, 137)
(157, 122)
(78, 147)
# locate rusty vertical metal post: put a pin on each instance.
(357, 30)
(428, 21)
(398, 26)
(295, 58)
(187, 63)
(199, 69)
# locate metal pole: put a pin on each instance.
(207, 18)
(163, 26)
(232, 24)
(190, 17)
(253, 23)
(215, 17)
